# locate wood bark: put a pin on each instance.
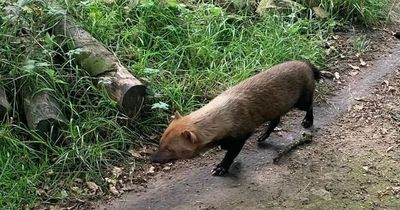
(4, 105)
(99, 62)
(43, 113)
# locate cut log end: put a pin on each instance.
(99, 62)
(132, 100)
(50, 127)
(43, 114)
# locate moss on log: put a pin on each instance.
(99, 62)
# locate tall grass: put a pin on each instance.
(367, 12)
(189, 55)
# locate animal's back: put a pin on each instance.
(258, 99)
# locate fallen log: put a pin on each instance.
(4, 105)
(43, 113)
(99, 62)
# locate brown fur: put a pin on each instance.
(235, 113)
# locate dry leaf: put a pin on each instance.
(135, 154)
(320, 12)
(358, 55)
(92, 186)
(386, 82)
(55, 207)
(265, 5)
(331, 44)
(337, 76)
(362, 62)
(358, 107)
(111, 181)
(41, 192)
(327, 74)
(109, 2)
(354, 67)
(353, 73)
(75, 189)
(116, 171)
(396, 190)
(113, 190)
(392, 89)
(50, 172)
(78, 180)
(151, 170)
(166, 168)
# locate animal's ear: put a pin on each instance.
(176, 116)
(189, 135)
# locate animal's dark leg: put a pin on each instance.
(309, 118)
(305, 103)
(233, 147)
(272, 125)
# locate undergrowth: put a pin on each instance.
(363, 11)
(185, 53)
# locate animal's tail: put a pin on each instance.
(316, 72)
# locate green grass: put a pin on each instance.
(202, 52)
(186, 54)
(361, 43)
(367, 12)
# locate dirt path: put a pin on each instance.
(353, 161)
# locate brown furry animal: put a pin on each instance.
(230, 118)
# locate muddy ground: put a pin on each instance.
(352, 163)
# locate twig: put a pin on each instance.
(305, 138)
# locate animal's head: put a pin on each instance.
(179, 141)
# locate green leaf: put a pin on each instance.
(42, 64)
(172, 3)
(29, 65)
(160, 105)
(216, 11)
(147, 3)
(151, 71)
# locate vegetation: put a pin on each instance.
(186, 53)
(362, 11)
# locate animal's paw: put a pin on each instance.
(307, 123)
(219, 171)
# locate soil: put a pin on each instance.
(352, 162)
